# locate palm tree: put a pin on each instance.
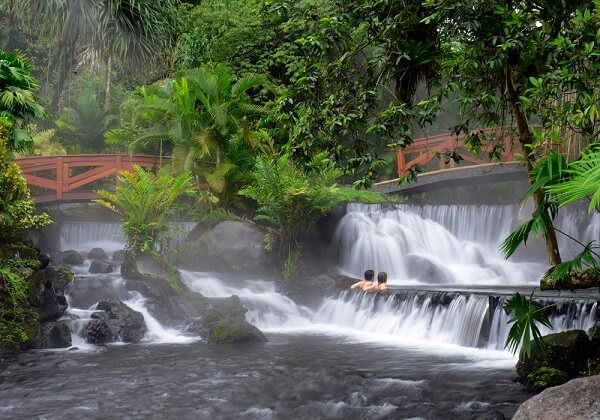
(86, 122)
(18, 103)
(130, 31)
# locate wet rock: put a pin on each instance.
(577, 399)
(119, 255)
(52, 306)
(567, 351)
(128, 324)
(97, 254)
(575, 280)
(98, 332)
(230, 246)
(62, 277)
(55, 335)
(170, 307)
(224, 322)
(98, 266)
(595, 339)
(545, 378)
(311, 289)
(69, 257)
(143, 267)
(44, 260)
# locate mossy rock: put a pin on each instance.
(63, 277)
(545, 378)
(567, 351)
(18, 251)
(232, 332)
(575, 280)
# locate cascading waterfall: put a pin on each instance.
(445, 245)
(468, 320)
(463, 319)
(266, 307)
(83, 236)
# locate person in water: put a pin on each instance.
(381, 283)
(367, 282)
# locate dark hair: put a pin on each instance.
(382, 277)
(369, 274)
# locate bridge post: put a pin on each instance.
(401, 163)
(59, 177)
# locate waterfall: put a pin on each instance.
(412, 245)
(468, 320)
(83, 236)
(434, 317)
(444, 245)
(267, 308)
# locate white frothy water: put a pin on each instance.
(155, 332)
(413, 248)
(266, 307)
(435, 319)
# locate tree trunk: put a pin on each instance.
(108, 82)
(526, 140)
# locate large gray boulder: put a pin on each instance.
(230, 246)
(69, 257)
(97, 254)
(86, 291)
(578, 399)
(128, 324)
(100, 267)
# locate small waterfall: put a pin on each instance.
(267, 309)
(83, 236)
(468, 320)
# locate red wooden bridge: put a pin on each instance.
(431, 155)
(65, 178)
(76, 177)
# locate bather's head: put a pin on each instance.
(382, 277)
(369, 274)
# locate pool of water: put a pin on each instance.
(299, 376)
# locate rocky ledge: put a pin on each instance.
(577, 399)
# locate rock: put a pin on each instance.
(55, 335)
(312, 289)
(17, 251)
(69, 257)
(98, 266)
(119, 255)
(97, 254)
(62, 277)
(44, 260)
(128, 324)
(229, 246)
(143, 267)
(596, 340)
(576, 280)
(224, 322)
(170, 307)
(567, 351)
(546, 377)
(53, 306)
(577, 399)
(97, 331)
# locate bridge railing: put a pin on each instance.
(429, 149)
(54, 174)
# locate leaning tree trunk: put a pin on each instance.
(526, 140)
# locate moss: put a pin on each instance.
(545, 378)
(63, 277)
(223, 333)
